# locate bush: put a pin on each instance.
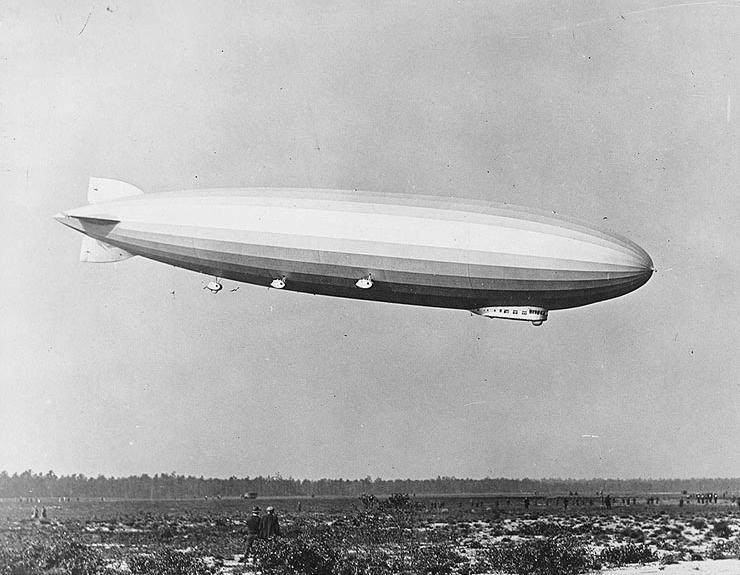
(699, 523)
(52, 553)
(167, 561)
(670, 559)
(435, 560)
(369, 501)
(724, 550)
(619, 555)
(288, 556)
(722, 529)
(399, 501)
(428, 560)
(564, 556)
(544, 528)
(634, 533)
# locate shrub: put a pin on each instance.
(722, 529)
(399, 501)
(634, 533)
(564, 556)
(670, 559)
(699, 523)
(724, 550)
(51, 553)
(619, 555)
(287, 556)
(435, 560)
(167, 561)
(544, 528)
(369, 501)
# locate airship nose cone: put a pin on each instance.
(634, 258)
(643, 269)
(646, 263)
(650, 267)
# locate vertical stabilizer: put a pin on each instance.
(95, 251)
(104, 190)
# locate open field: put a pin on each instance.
(433, 535)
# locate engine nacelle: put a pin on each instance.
(364, 283)
(536, 315)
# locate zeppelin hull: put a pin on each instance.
(419, 251)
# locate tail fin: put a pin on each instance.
(105, 189)
(95, 251)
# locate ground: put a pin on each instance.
(431, 535)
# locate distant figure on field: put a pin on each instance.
(43, 512)
(526, 503)
(253, 530)
(270, 526)
(299, 507)
(35, 514)
(608, 501)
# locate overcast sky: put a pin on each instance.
(619, 109)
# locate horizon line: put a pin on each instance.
(279, 476)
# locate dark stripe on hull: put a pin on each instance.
(405, 287)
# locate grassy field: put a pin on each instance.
(430, 535)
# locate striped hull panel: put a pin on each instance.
(427, 282)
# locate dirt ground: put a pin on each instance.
(709, 567)
(464, 533)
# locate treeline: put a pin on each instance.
(174, 486)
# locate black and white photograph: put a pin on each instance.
(342, 287)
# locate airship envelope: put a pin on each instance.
(495, 260)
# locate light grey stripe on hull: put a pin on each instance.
(431, 208)
(364, 253)
(383, 268)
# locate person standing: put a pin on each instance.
(270, 526)
(253, 530)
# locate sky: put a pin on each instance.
(620, 109)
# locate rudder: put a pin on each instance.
(95, 251)
(106, 189)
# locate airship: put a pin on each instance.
(495, 260)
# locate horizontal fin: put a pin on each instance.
(95, 251)
(105, 189)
